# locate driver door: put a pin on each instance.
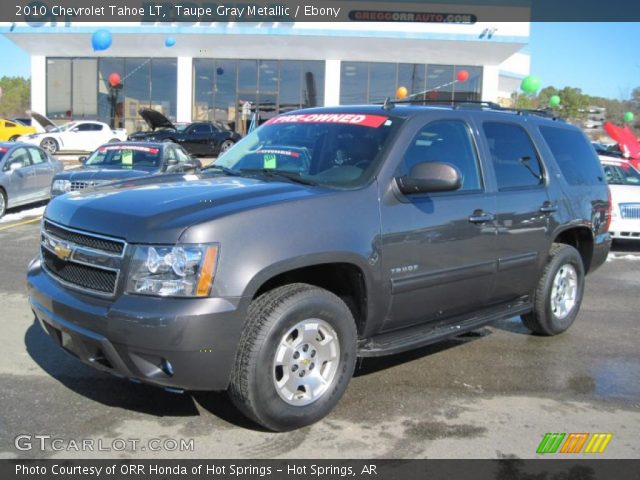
(22, 186)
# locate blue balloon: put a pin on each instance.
(169, 42)
(101, 40)
(219, 71)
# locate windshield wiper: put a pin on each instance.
(268, 172)
(220, 168)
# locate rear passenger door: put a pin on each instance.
(523, 208)
(44, 171)
(438, 249)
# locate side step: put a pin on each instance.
(418, 336)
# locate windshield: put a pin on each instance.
(64, 127)
(332, 149)
(181, 127)
(623, 174)
(125, 157)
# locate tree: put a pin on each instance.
(15, 99)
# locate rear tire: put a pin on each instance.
(114, 140)
(559, 293)
(295, 357)
(226, 145)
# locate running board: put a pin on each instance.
(418, 336)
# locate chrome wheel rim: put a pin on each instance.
(225, 146)
(306, 362)
(564, 291)
(49, 145)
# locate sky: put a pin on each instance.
(600, 58)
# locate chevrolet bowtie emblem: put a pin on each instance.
(62, 251)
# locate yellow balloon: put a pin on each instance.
(401, 92)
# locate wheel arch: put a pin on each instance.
(580, 238)
(345, 276)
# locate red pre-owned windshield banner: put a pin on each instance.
(373, 121)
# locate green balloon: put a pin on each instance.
(554, 101)
(628, 117)
(530, 84)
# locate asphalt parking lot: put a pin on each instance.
(489, 394)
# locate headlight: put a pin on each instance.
(173, 271)
(61, 186)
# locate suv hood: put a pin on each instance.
(155, 119)
(157, 209)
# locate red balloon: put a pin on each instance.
(463, 76)
(114, 79)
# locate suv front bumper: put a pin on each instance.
(182, 343)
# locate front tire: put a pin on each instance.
(295, 358)
(559, 293)
(50, 145)
(3, 203)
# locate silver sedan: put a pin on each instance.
(26, 172)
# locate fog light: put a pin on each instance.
(167, 367)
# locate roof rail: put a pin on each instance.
(547, 112)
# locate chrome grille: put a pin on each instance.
(80, 185)
(85, 239)
(82, 260)
(630, 210)
(84, 276)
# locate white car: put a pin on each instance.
(82, 136)
(624, 183)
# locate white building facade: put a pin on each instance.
(212, 70)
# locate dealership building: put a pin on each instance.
(212, 70)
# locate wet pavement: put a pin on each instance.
(492, 393)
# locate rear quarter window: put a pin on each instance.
(574, 155)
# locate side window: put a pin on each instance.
(514, 158)
(37, 156)
(10, 125)
(18, 155)
(574, 155)
(170, 153)
(85, 127)
(181, 155)
(201, 128)
(447, 141)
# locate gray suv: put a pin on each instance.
(325, 235)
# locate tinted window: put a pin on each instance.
(88, 127)
(202, 128)
(514, 158)
(574, 155)
(447, 141)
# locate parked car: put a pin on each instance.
(197, 138)
(22, 121)
(324, 235)
(124, 160)
(26, 172)
(77, 136)
(11, 131)
(624, 183)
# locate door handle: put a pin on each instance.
(548, 207)
(480, 216)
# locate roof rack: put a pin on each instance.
(547, 113)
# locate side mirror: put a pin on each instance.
(172, 161)
(17, 165)
(430, 177)
(82, 159)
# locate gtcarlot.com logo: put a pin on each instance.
(27, 442)
(574, 443)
